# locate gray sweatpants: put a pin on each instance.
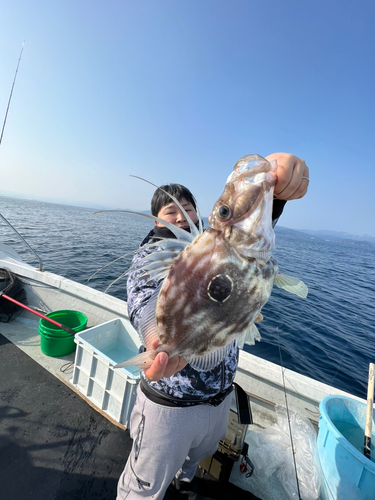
(168, 442)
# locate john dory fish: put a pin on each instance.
(217, 281)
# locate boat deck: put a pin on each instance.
(54, 446)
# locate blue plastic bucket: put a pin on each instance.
(347, 473)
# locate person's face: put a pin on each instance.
(171, 213)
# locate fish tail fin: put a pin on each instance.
(143, 360)
(292, 285)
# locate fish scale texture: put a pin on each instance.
(188, 382)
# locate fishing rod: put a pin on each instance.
(1, 138)
(7, 276)
(50, 320)
(11, 93)
(24, 241)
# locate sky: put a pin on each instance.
(179, 90)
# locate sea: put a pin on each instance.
(329, 336)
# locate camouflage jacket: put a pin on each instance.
(187, 383)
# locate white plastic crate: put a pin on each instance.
(98, 349)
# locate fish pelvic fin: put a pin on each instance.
(250, 335)
(213, 358)
(210, 360)
(292, 285)
(143, 361)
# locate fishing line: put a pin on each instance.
(24, 241)
(106, 265)
(346, 348)
(299, 394)
(115, 281)
(341, 360)
(36, 284)
(287, 411)
(123, 256)
(11, 93)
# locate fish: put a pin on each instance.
(214, 283)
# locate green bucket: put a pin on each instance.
(57, 342)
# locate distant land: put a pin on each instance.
(325, 234)
(342, 235)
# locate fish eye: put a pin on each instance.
(224, 212)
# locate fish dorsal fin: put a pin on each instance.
(156, 265)
(200, 229)
(292, 285)
(158, 275)
(181, 234)
(147, 326)
(209, 361)
(250, 335)
(194, 231)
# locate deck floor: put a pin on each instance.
(54, 446)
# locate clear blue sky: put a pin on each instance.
(178, 90)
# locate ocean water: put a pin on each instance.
(330, 336)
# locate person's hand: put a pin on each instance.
(291, 176)
(163, 366)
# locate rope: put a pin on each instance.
(6, 276)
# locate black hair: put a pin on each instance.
(160, 199)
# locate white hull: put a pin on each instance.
(262, 380)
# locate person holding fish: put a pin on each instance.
(193, 297)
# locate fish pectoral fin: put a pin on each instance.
(250, 335)
(259, 318)
(292, 285)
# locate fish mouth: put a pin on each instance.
(246, 203)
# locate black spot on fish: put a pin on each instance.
(268, 272)
(220, 288)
